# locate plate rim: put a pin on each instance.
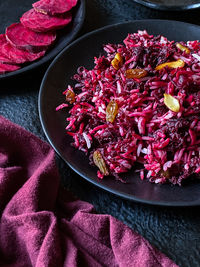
(96, 183)
(168, 8)
(37, 63)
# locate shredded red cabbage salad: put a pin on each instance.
(140, 103)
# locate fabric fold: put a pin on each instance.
(41, 224)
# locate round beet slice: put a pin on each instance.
(12, 55)
(39, 22)
(54, 7)
(4, 59)
(26, 39)
(8, 68)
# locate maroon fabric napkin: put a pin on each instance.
(40, 226)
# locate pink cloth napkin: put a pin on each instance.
(40, 226)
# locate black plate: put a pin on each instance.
(176, 5)
(81, 52)
(12, 10)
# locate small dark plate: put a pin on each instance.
(12, 10)
(176, 5)
(81, 53)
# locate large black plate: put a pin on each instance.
(82, 52)
(12, 10)
(176, 5)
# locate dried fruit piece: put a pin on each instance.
(70, 96)
(119, 57)
(99, 162)
(111, 111)
(171, 102)
(135, 73)
(173, 64)
(166, 174)
(117, 61)
(183, 48)
(39, 22)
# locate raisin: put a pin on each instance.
(173, 64)
(99, 162)
(111, 111)
(117, 61)
(135, 73)
(183, 48)
(70, 96)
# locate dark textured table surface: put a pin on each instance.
(175, 231)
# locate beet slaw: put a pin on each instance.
(140, 103)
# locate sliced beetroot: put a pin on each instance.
(54, 7)
(4, 58)
(39, 22)
(26, 39)
(12, 55)
(8, 68)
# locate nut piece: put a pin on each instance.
(173, 64)
(99, 162)
(135, 73)
(117, 61)
(183, 48)
(111, 111)
(171, 102)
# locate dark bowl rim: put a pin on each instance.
(104, 187)
(168, 8)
